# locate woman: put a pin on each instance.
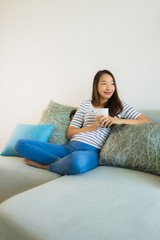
(86, 132)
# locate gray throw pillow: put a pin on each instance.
(135, 147)
(58, 115)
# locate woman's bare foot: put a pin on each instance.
(35, 164)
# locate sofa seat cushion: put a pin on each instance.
(105, 203)
(16, 176)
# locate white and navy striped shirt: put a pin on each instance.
(85, 116)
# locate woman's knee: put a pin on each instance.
(22, 145)
(83, 161)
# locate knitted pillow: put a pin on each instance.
(135, 147)
(58, 115)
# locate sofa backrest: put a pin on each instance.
(154, 115)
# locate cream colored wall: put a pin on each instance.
(51, 49)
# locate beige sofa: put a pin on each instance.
(114, 201)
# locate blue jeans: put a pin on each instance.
(71, 158)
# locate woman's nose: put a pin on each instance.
(108, 86)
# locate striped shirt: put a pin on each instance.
(85, 116)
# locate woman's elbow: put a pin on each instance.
(69, 133)
(144, 119)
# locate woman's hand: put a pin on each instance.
(106, 121)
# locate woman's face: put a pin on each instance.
(106, 87)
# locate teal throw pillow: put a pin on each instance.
(27, 131)
(135, 147)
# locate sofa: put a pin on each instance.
(120, 199)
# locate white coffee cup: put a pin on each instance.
(101, 111)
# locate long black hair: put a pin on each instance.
(114, 103)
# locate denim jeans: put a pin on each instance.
(71, 158)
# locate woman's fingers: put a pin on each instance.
(106, 121)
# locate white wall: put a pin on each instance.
(51, 49)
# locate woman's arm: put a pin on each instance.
(73, 130)
(109, 121)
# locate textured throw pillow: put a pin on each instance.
(58, 115)
(135, 147)
(27, 131)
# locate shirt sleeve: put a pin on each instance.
(129, 112)
(78, 118)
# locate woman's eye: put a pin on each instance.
(103, 83)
